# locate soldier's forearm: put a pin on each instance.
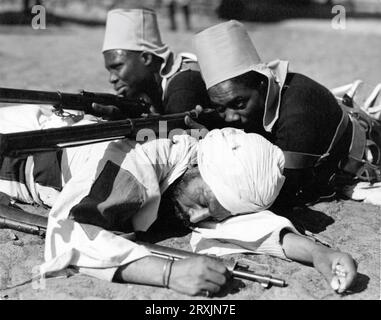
(148, 270)
(301, 249)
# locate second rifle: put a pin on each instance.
(29, 142)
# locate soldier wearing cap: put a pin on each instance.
(142, 66)
(294, 112)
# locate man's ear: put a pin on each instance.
(146, 58)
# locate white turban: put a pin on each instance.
(244, 170)
(225, 51)
(135, 30)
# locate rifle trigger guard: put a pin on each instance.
(58, 109)
(59, 112)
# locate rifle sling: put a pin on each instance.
(300, 160)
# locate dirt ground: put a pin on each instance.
(68, 58)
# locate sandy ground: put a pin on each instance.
(68, 58)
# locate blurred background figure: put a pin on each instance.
(27, 5)
(172, 6)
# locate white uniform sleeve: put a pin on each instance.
(251, 233)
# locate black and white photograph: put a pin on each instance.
(192, 155)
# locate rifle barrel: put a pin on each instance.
(15, 144)
(8, 212)
(21, 220)
(23, 227)
(265, 279)
(28, 96)
(74, 101)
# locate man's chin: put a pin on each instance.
(133, 94)
(125, 92)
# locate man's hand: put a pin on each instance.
(338, 268)
(194, 276)
(113, 113)
(107, 112)
(197, 276)
(193, 124)
(201, 130)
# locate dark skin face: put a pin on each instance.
(133, 73)
(240, 106)
(199, 202)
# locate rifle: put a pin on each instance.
(21, 220)
(28, 142)
(75, 101)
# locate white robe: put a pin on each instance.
(155, 165)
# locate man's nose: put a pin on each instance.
(231, 115)
(197, 215)
(113, 78)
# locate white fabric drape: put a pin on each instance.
(244, 170)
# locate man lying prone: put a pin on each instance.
(117, 186)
